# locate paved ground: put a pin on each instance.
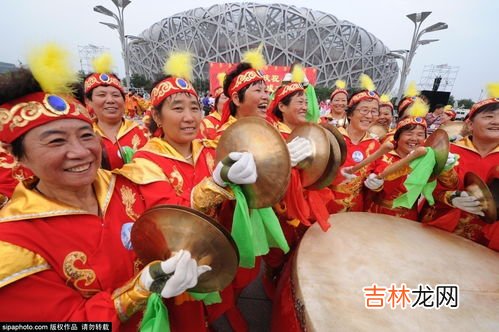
(255, 307)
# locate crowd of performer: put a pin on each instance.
(78, 170)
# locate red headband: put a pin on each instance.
(244, 79)
(282, 92)
(19, 116)
(386, 103)
(481, 104)
(363, 95)
(170, 86)
(97, 79)
(337, 91)
(411, 120)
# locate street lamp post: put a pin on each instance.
(120, 27)
(417, 19)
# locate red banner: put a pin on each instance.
(273, 74)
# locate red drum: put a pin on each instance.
(329, 284)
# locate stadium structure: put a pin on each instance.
(222, 33)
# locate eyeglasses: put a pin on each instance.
(364, 111)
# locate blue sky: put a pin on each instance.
(470, 42)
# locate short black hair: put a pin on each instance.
(286, 101)
(487, 108)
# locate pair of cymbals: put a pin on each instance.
(273, 164)
(167, 229)
(487, 195)
(454, 129)
(319, 170)
(378, 130)
(439, 142)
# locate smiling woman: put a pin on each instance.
(60, 234)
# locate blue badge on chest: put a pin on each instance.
(126, 239)
(357, 156)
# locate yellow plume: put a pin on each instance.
(221, 78)
(103, 63)
(340, 84)
(411, 90)
(493, 90)
(384, 98)
(179, 64)
(447, 107)
(418, 108)
(366, 83)
(298, 74)
(51, 68)
(255, 58)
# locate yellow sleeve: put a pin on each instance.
(207, 195)
(18, 262)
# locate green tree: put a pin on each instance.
(451, 100)
(322, 93)
(465, 103)
(140, 81)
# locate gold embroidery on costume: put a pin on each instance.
(210, 162)
(466, 228)
(135, 142)
(76, 275)
(128, 199)
(177, 181)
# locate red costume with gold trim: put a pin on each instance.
(62, 263)
(442, 214)
(166, 177)
(209, 125)
(350, 196)
(130, 134)
(11, 173)
(393, 186)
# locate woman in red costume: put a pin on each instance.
(362, 112)
(106, 96)
(456, 210)
(63, 256)
(339, 103)
(211, 122)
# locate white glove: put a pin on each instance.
(451, 161)
(373, 182)
(299, 149)
(346, 174)
(468, 203)
(173, 276)
(243, 171)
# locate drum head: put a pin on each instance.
(331, 270)
(169, 228)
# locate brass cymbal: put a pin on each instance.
(333, 164)
(169, 228)
(314, 166)
(453, 129)
(439, 142)
(493, 184)
(273, 165)
(339, 138)
(476, 187)
(378, 130)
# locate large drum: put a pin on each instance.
(333, 274)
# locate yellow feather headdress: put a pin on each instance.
(366, 83)
(384, 98)
(103, 63)
(340, 84)
(220, 79)
(179, 64)
(411, 90)
(298, 74)
(493, 90)
(50, 65)
(418, 108)
(255, 58)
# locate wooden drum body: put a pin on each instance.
(331, 270)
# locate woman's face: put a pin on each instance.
(294, 113)
(339, 104)
(108, 104)
(180, 118)
(410, 140)
(63, 154)
(256, 100)
(485, 126)
(385, 116)
(221, 101)
(364, 115)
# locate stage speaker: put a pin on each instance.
(436, 97)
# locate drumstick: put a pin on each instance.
(383, 149)
(418, 152)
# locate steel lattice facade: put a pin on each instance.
(221, 33)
